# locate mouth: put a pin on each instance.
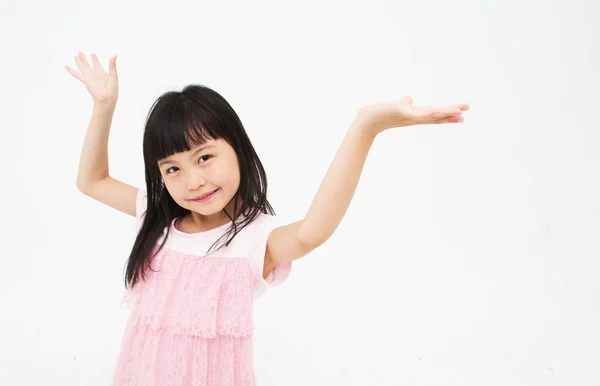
(204, 197)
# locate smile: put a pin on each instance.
(205, 197)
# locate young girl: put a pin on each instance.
(208, 243)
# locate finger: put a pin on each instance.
(458, 119)
(79, 63)
(97, 65)
(445, 112)
(436, 113)
(450, 110)
(84, 60)
(74, 73)
(424, 114)
(463, 106)
(112, 67)
(440, 111)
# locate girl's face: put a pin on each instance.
(211, 168)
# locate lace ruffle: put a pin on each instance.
(195, 296)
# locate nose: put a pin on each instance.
(195, 180)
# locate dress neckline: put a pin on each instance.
(208, 233)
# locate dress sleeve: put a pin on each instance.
(141, 203)
(262, 229)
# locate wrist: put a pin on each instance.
(105, 105)
(363, 130)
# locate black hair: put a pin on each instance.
(180, 121)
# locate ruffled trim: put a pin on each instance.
(195, 296)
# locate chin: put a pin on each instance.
(207, 209)
(211, 211)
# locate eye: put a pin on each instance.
(205, 158)
(168, 172)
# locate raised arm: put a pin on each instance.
(333, 197)
(93, 177)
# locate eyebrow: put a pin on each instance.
(168, 161)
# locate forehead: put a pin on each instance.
(208, 146)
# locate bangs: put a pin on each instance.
(177, 124)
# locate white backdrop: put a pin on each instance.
(469, 256)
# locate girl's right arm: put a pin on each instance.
(93, 178)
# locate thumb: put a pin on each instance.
(112, 68)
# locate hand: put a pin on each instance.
(102, 86)
(382, 116)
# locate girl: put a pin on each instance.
(208, 243)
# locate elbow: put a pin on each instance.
(80, 186)
(86, 184)
(311, 240)
(83, 186)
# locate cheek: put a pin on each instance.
(176, 191)
(226, 175)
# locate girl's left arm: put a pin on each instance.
(290, 242)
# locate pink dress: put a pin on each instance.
(191, 321)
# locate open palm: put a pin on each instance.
(103, 87)
(383, 116)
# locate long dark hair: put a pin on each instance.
(181, 121)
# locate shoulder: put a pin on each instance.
(256, 239)
(259, 229)
(265, 222)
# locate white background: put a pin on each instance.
(469, 256)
